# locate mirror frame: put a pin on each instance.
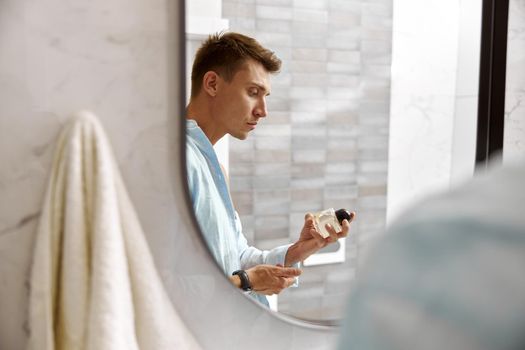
(492, 74)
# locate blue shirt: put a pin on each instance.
(216, 215)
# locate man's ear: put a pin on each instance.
(210, 82)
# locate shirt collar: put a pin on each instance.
(195, 133)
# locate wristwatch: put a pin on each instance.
(245, 281)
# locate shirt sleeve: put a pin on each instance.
(251, 256)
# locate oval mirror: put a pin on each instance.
(362, 115)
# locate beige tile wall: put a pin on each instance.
(325, 141)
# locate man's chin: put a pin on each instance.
(240, 136)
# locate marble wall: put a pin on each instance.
(56, 58)
(435, 82)
(424, 63)
(514, 142)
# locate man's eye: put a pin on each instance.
(254, 92)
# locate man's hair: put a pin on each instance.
(225, 53)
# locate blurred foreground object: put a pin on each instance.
(450, 274)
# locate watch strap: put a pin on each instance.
(245, 281)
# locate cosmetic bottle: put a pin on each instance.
(332, 217)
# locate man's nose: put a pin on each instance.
(260, 110)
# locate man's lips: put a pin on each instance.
(252, 125)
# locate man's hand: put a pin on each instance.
(269, 279)
(310, 240)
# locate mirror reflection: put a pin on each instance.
(230, 83)
(341, 101)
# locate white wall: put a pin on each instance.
(434, 98)
(424, 62)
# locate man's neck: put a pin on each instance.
(203, 115)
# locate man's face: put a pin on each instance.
(241, 103)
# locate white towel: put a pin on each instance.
(93, 281)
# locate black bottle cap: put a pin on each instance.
(342, 214)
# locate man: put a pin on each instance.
(230, 82)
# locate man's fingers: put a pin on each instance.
(289, 281)
(344, 231)
(309, 221)
(308, 216)
(278, 286)
(333, 234)
(289, 272)
(342, 234)
(352, 216)
(346, 226)
(285, 282)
